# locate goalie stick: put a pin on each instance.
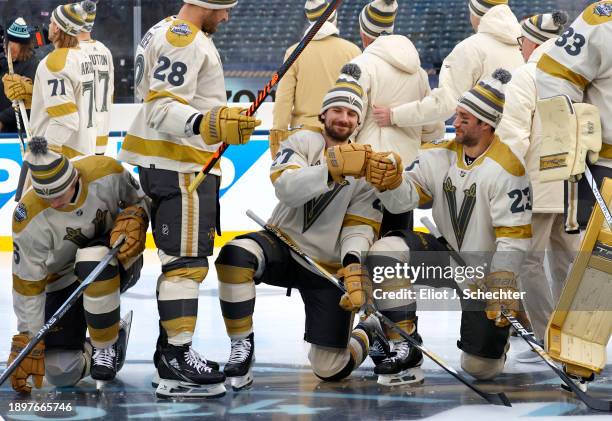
(333, 5)
(591, 402)
(63, 309)
(600, 201)
(492, 398)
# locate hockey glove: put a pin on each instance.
(385, 171)
(17, 88)
(32, 365)
(348, 160)
(496, 283)
(354, 276)
(132, 222)
(227, 125)
(276, 137)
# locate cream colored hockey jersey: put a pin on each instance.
(326, 220)
(179, 76)
(580, 65)
(45, 240)
(63, 102)
(482, 207)
(102, 61)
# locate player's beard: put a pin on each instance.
(209, 27)
(335, 135)
(466, 140)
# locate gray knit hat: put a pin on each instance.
(52, 173)
(541, 28)
(486, 99)
(315, 8)
(70, 18)
(347, 92)
(18, 32)
(90, 8)
(213, 4)
(378, 17)
(480, 7)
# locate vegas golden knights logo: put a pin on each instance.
(461, 219)
(315, 207)
(81, 240)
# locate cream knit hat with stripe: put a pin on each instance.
(213, 4)
(480, 7)
(486, 99)
(70, 18)
(541, 28)
(52, 173)
(378, 17)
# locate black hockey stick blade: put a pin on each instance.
(493, 398)
(590, 401)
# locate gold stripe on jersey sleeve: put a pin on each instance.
(549, 65)
(356, 220)
(56, 60)
(606, 151)
(167, 150)
(177, 34)
(63, 109)
(28, 288)
(101, 140)
(276, 174)
(154, 95)
(520, 232)
(195, 274)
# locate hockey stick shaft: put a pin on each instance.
(600, 201)
(436, 233)
(63, 309)
(495, 399)
(333, 5)
(593, 403)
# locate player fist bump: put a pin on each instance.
(17, 88)
(32, 365)
(355, 278)
(348, 160)
(227, 125)
(501, 290)
(131, 222)
(385, 170)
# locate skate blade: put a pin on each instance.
(100, 385)
(168, 389)
(242, 382)
(581, 385)
(411, 376)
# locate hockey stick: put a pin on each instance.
(600, 201)
(492, 398)
(20, 111)
(63, 309)
(590, 401)
(333, 5)
(593, 403)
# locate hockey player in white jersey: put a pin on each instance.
(62, 97)
(579, 65)
(62, 228)
(481, 204)
(104, 74)
(333, 217)
(183, 120)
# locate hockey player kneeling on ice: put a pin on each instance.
(474, 182)
(331, 214)
(62, 228)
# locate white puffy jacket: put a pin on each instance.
(391, 74)
(520, 128)
(494, 46)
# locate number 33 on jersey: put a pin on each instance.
(63, 102)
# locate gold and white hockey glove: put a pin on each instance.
(32, 365)
(355, 277)
(227, 125)
(17, 88)
(132, 222)
(348, 160)
(496, 283)
(385, 171)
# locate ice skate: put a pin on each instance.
(379, 345)
(239, 366)
(404, 367)
(106, 362)
(183, 373)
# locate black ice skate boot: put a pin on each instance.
(404, 367)
(379, 345)
(103, 365)
(184, 373)
(239, 366)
